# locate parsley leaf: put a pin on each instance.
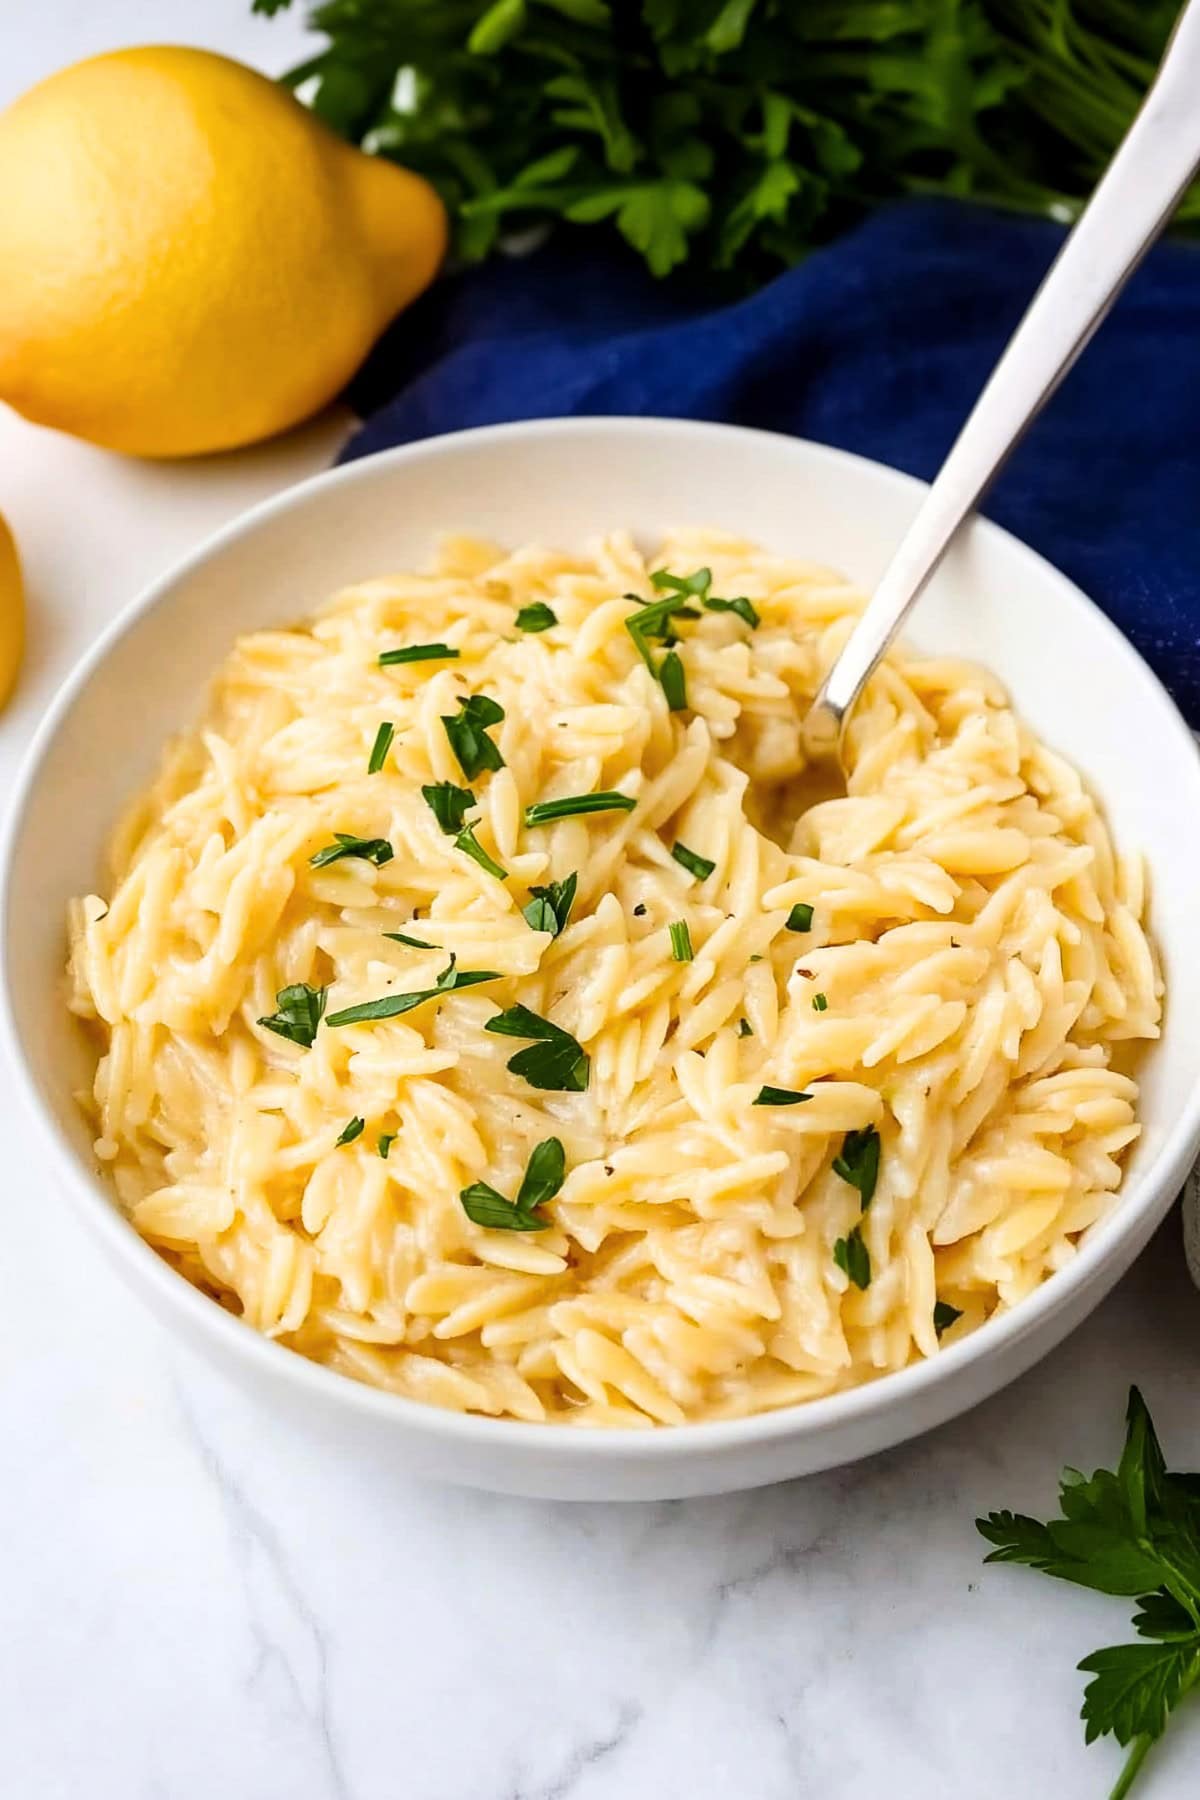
(821, 1004)
(1132, 1532)
(555, 1062)
(859, 1162)
(386, 1140)
(401, 937)
(542, 812)
(352, 1129)
(699, 866)
(381, 746)
(536, 617)
(449, 805)
(774, 1096)
(673, 681)
(800, 918)
(372, 850)
(467, 731)
(414, 653)
(392, 1005)
(745, 1029)
(853, 1258)
(696, 586)
(549, 907)
(469, 844)
(299, 1014)
(741, 606)
(681, 941)
(543, 1178)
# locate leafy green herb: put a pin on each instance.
(945, 1315)
(696, 586)
(653, 622)
(415, 653)
(381, 746)
(401, 937)
(372, 850)
(745, 1029)
(554, 1062)
(741, 606)
(299, 1014)
(469, 844)
(536, 617)
(859, 1162)
(544, 1174)
(549, 907)
(681, 941)
(449, 805)
(468, 734)
(727, 134)
(392, 1005)
(773, 1096)
(542, 812)
(1135, 1532)
(386, 1140)
(673, 681)
(800, 918)
(699, 866)
(853, 1258)
(352, 1129)
(820, 1004)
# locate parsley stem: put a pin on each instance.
(1137, 1756)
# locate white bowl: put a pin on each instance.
(1073, 676)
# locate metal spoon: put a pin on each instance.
(1139, 191)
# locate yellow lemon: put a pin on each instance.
(188, 259)
(12, 613)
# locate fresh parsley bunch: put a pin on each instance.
(1134, 1532)
(732, 134)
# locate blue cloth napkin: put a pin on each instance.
(879, 344)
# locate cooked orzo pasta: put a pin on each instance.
(491, 1008)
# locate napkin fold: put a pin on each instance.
(880, 344)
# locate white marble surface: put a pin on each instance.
(195, 1602)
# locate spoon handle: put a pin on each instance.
(1129, 209)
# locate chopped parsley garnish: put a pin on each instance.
(699, 866)
(467, 731)
(652, 623)
(401, 937)
(392, 1005)
(853, 1258)
(555, 1062)
(449, 804)
(353, 1128)
(673, 681)
(696, 586)
(386, 1140)
(800, 918)
(1128, 1531)
(372, 850)
(549, 907)
(381, 746)
(859, 1162)
(820, 1003)
(945, 1315)
(413, 653)
(542, 812)
(300, 1010)
(469, 844)
(536, 617)
(741, 606)
(745, 1029)
(543, 1178)
(681, 941)
(773, 1096)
